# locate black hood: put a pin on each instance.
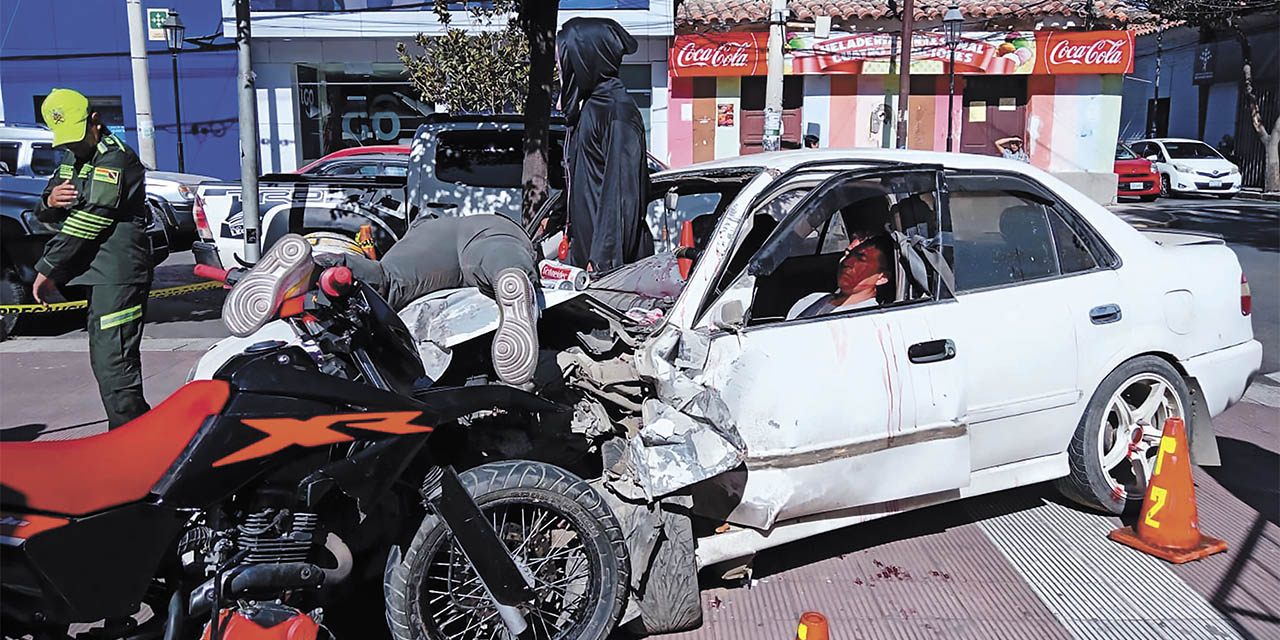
(590, 51)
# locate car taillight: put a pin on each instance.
(1246, 297)
(202, 222)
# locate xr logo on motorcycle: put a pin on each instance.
(313, 432)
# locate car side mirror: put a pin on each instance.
(670, 201)
(1154, 158)
(730, 316)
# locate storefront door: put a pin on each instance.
(995, 107)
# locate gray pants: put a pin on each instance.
(444, 253)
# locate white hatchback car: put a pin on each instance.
(1189, 166)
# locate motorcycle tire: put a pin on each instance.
(433, 594)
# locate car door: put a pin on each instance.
(852, 407)
(1027, 288)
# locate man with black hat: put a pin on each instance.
(97, 199)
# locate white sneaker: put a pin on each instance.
(279, 275)
(515, 345)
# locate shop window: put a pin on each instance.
(338, 110)
(754, 88)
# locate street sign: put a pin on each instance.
(155, 23)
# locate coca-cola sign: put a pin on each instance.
(1079, 52)
(718, 54)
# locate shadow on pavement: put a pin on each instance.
(1251, 474)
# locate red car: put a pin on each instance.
(1137, 178)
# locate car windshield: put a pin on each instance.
(1190, 151)
(1124, 153)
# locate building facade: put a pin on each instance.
(40, 49)
(1047, 74)
(329, 77)
(1188, 83)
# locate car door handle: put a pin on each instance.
(1105, 314)
(932, 351)
(441, 205)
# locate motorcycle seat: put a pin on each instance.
(76, 477)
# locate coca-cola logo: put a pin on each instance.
(724, 54)
(1098, 52)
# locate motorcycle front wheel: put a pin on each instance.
(559, 530)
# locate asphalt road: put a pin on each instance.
(1252, 229)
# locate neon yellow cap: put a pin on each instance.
(66, 112)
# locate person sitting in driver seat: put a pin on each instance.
(862, 273)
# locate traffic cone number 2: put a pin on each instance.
(1158, 494)
(1170, 527)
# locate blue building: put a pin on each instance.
(40, 48)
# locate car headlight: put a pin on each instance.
(1182, 168)
(1235, 170)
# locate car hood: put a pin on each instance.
(1205, 164)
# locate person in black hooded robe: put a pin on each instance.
(607, 172)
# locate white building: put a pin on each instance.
(328, 75)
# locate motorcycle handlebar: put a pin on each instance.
(211, 273)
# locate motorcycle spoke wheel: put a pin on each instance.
(549, 550)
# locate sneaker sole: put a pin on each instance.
(253, 301)
(515, 346)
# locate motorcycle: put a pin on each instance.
(246, 505)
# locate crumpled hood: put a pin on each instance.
(589, 51)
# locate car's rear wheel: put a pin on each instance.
(1118, 438)
(1166, 189)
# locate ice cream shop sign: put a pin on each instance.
(1030, 52)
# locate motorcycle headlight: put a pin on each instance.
(1182, 168)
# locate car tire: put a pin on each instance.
(671, 601)
(12, 291)
(519, 483)
(1149, 197)
(1166, 188)
(1097, 482)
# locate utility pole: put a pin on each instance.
(904, 69)
(141, 85)
(248, 135)
(773, 86)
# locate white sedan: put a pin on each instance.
(1189, 166)
(862, 333)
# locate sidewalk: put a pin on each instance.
(1258, 194)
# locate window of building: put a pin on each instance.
(338, 110)
(639, 82)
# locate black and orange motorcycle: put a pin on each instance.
(255, 505)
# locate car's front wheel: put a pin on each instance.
(1118, 438)
(12, 292)
(1166, 189)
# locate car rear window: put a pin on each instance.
(1190, 150)
(44, 159)
(490, 158)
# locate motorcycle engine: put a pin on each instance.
(266, 536)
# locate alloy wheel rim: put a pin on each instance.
(1130, 431)
(548, 549)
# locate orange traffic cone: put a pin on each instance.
(1168, 526)
(813, 625)
(686, 241)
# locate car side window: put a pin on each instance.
(44, 159)
(9, 156)
(1073, 253)
(839, 252)
(1000, 238)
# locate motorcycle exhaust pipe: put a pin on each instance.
(258, 577)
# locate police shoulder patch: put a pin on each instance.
(103, 174)
(66, 171)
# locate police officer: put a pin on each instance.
(98, 200)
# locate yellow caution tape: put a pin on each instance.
(167, 292)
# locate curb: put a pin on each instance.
(1270, 196)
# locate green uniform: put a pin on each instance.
(102, 243)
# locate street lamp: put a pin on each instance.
(173, 31)
(951, 22)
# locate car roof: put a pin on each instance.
(1172, 140)
(785, 160)
(369, 150)
(12, 131)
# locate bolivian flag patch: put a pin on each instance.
(106, 175)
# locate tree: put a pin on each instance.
(1225, 16)
(506, 65)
